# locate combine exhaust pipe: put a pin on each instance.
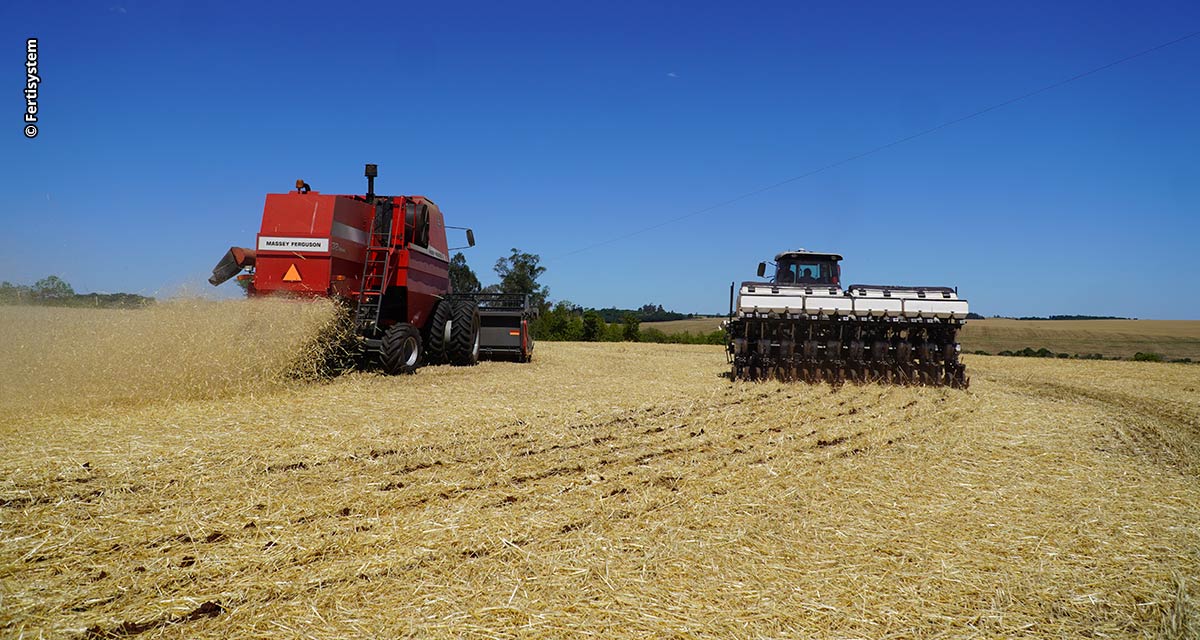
(236, 259)
(371, 172)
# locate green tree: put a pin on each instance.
(462, 278)
(593, 326)
(630, 330)
(559, 323)
(519, 273)
(52, 288)
(14, 293)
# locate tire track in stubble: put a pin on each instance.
(1165, 434)
(626, 443)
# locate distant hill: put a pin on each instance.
(1171, 339)
(1074, 318)
(696, 326)
(647, 313)
(1111, 338)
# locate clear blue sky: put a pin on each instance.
(553, 126)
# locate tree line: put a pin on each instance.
(1069, 317)
(562, 320)
(54, 291)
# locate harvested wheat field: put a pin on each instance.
(607, 490)
(1112, 338)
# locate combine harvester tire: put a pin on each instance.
(439, 333)
(401, 350)
(463, 349)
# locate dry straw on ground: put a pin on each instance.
(616, 490)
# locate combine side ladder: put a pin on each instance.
(375, 273)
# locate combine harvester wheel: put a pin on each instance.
(401, 349)
(439, 333)
(463, 348)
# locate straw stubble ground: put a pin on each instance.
(616, 490)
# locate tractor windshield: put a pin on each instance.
(806, 272)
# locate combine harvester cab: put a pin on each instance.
(802, 325)
(385, 257)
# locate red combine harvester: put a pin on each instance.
(385, 256)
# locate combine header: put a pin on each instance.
(386, 257)
(505, 331)
(802, 325)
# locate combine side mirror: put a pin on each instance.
(762, 269)
(470, 237)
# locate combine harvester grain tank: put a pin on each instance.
(387, 259)
(803, 325)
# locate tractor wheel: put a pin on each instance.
(438, 333)
(463, 349)
(401, 350)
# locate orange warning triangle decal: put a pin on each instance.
(292, 274)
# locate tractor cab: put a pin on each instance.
(805, 267)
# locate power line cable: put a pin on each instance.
(900, 141)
